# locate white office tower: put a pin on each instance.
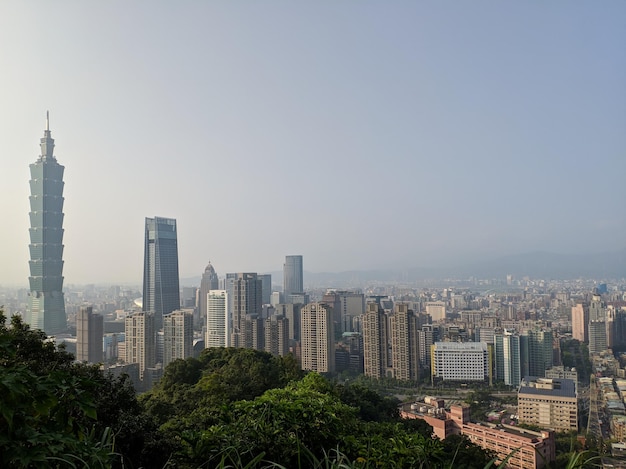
(217, 319)
(177, 336)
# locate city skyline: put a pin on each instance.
(483, 130)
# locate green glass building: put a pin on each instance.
(46, 304)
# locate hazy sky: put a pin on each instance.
(360, 134)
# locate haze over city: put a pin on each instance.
(360, 135)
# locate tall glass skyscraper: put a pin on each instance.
(161, 293)
(292, 276)
(46, 304)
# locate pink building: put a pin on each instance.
(527, 449)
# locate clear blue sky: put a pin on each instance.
(360, 134)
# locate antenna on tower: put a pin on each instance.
(48, 120)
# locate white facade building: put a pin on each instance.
(217, 320)
(461, 361)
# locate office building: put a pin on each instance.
(89, 336)
(597, 336)
(266, 288)
(177, 336)
(161, 292)
(548, 403)
(292, 314)
(404, 343)
(461, 361)
(140, 340)
(217, 319)
(46, 303)
(436, 310)
(317, 338)
(209, 281)
(375, 338)
(293, 277)
(536, 352)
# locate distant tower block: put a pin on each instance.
(292, 277)
(46, 303)
(161, 292)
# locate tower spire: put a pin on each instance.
(47, 142)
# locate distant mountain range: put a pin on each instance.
(545, 265)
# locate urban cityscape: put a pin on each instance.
(375, 235)
(556, 347)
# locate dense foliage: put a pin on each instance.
(227, 408)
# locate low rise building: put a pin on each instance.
(525, 449)
(548, 403)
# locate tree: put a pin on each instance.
(48, 406)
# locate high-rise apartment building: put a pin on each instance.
(276, 330)
(246, 308)
(512, 359)
(161, 292)
(209, 281)
(404, 343)
(375, 337)
(217, 319)
(177, 336)
(140, 341)
(293, 278)
(46, 303)
(580, 322)
(317, 338)
(89, 335)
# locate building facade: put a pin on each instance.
(247, 304)
(293, 277)
(209, 281)
(217, 319)
(161, 291)
(461, 361)
(548, 403)
(177, 336)
(46, 303)
(317, 338)
(89, 336)
(140, 342)
(404, 343)
(375, 338)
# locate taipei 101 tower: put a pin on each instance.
(46, 304)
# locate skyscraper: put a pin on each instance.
(375, 337)
(140, 341)
(404, 343)
(46, 303)
(318, 336)
(292, 277)
(210, 281)
(161, 293)
(246, 307)
(89, 335)
(217, 320)
(177, 336)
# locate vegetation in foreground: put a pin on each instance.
(229, 408)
